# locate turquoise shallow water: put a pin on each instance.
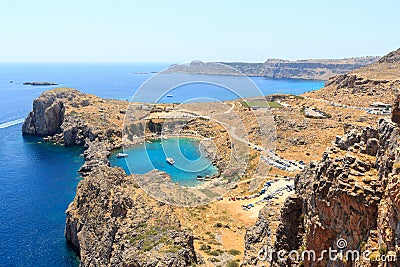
(189, 161)
(38, 181)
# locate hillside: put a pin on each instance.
(378, 81)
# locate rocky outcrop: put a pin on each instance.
(353, 193)
(96, 155)
(354, 82)
(392, 57)
(46, 117)
(289, 233)
(57, 116)
(396, 111)
(257, 240)
(111, 222)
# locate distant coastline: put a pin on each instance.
(309, 69)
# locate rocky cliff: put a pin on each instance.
(46, 117)
(111, 222)
(67, 116)
(313, 69)
(351, 194)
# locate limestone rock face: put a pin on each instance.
(396, 111)
(96, 155)
(46, 117)
(353, 193)
(113, 223)
(257, 238)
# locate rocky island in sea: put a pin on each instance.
(348, 189)
(40, 83)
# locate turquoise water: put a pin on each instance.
(38, 181)
(189, 161)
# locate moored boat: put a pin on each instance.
(121, 155)
(170, 161)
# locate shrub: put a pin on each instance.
(232, 264)
(383, 250)
(219, 225)
(205, 247)
(216, 252)
(234, 252)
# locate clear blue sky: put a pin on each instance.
(180, 31)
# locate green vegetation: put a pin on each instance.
(205, 247)
(173, 249)
(215, 252)
(234, 252)
(214, 242)
(274, 105)
(383, 250)
(245, 104)
(362, 246)
(261, 104)
(152, 237)
(232, 264)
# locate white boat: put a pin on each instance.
(121, 155)
(170, 161)
(170, 95)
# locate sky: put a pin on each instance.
(180, 31)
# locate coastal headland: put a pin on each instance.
(309, 69)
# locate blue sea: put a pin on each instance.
(38, 180)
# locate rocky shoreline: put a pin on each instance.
(136, 229)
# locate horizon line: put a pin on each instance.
(165, 62)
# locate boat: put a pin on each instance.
(170, 95)
(207, 178)
(170, 161)
(199, 176)
(121, 155)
